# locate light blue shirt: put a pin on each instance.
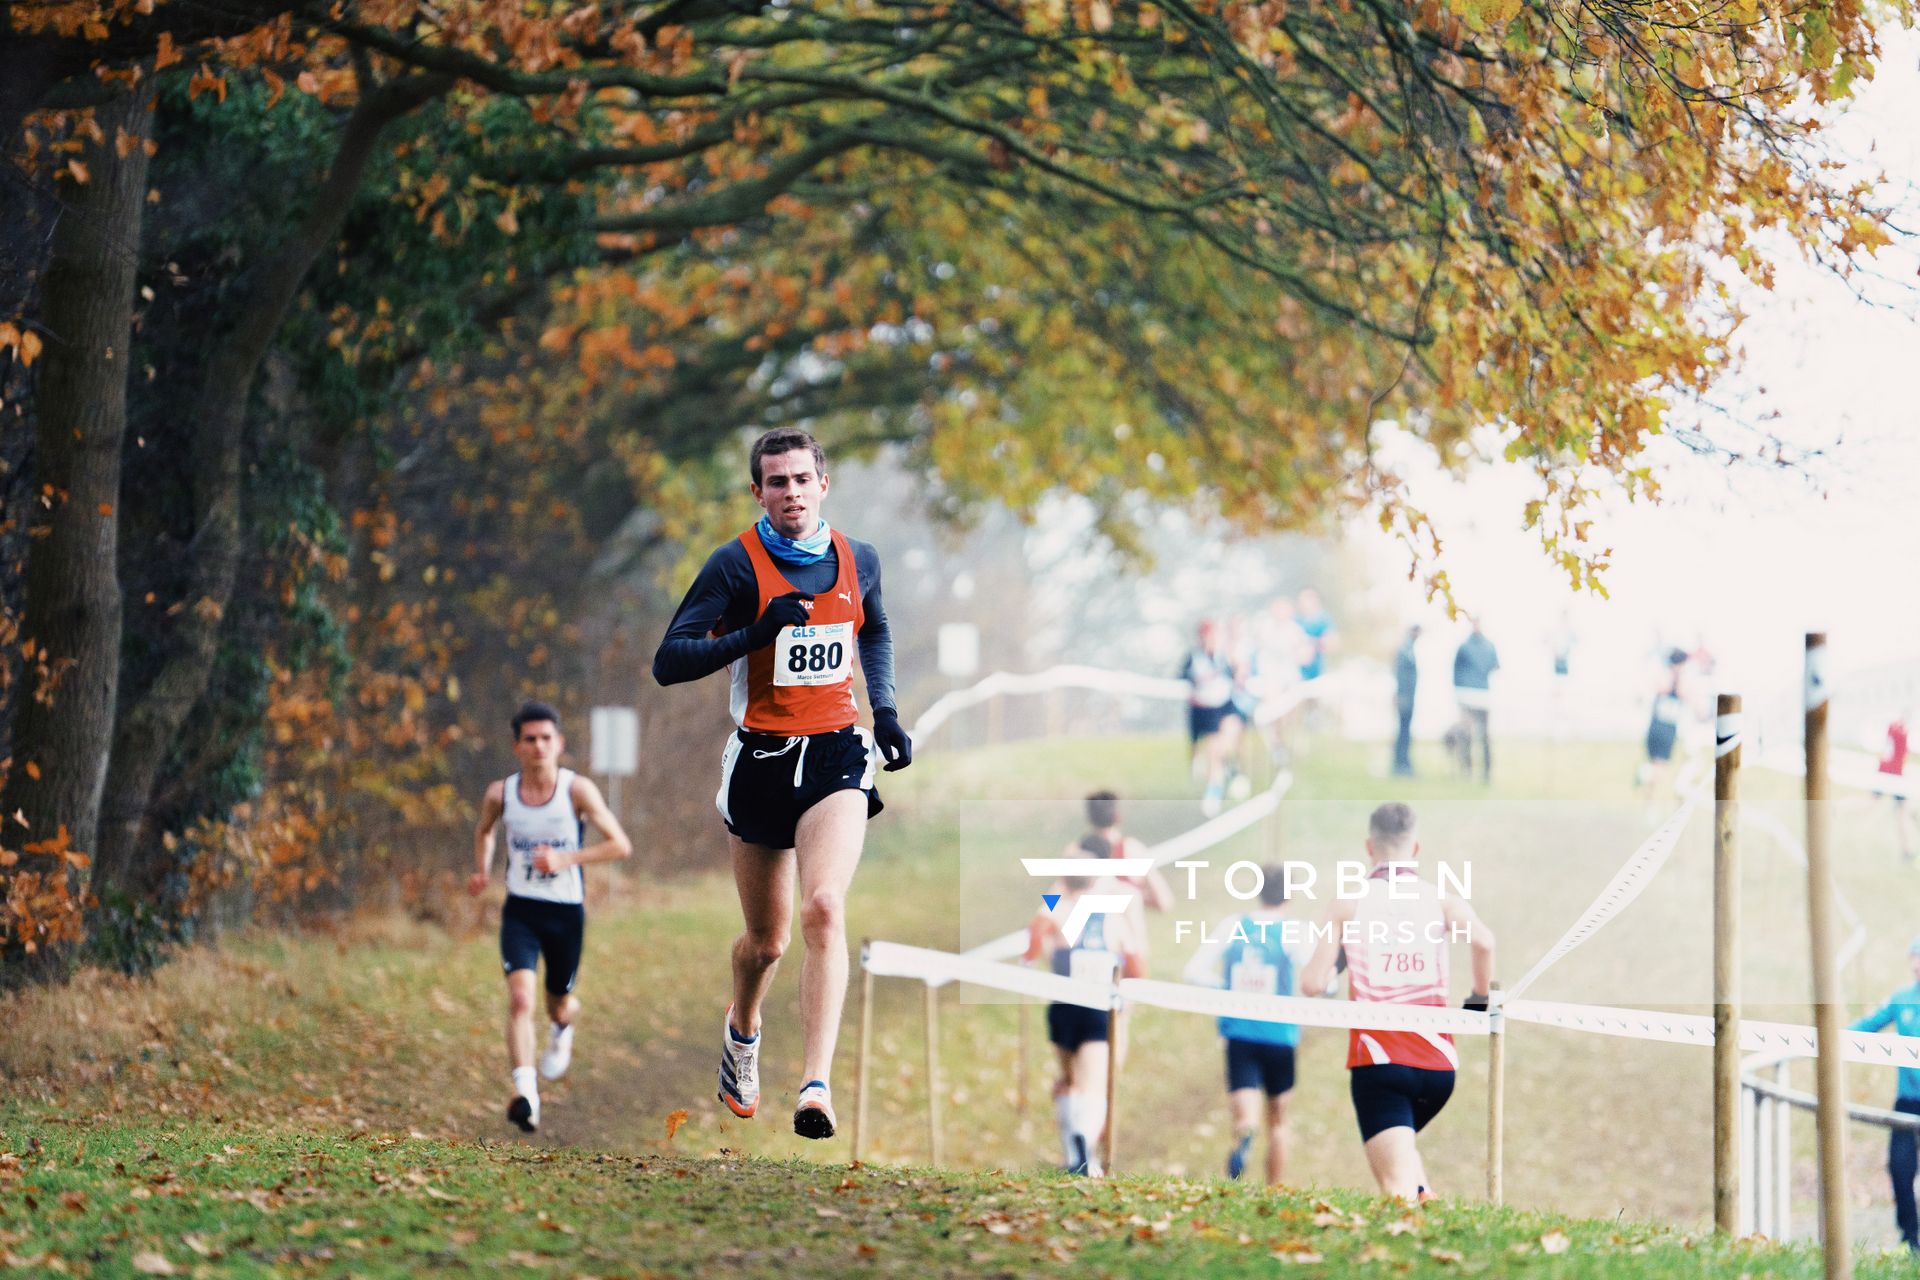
(1902, 1011)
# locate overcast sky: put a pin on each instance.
(1747, 559)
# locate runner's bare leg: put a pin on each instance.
(764, 879)
(831, 836)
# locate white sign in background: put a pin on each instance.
(615, 742)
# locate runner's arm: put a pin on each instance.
(491, 807)
(1204, 969)
(1318, 978)
(1039, 938)
(724, 586)
(1460, 911)
(1877, 1019)
(876, 637)
(1155, 891)
(588, 804)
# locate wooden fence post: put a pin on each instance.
(1830, 1067)
(1726, 965)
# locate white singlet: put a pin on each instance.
(528, 826)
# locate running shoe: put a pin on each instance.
(554, 1062)
(1210, 803)
(1237, 1158)
(813, 1118)
(525, 1112)
(739, 1070)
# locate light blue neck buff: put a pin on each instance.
(808, 550)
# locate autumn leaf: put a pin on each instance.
(674, 1120)
(1555, 1241)
(165, 55)
(33, 771)
(149, 1263)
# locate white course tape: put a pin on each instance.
(1816, 681)
(1073, 676)
(1301, 1010)
(1622, 890)
(892, 960)
(1779, 1039)
(1782, 1039)
(1855, 769)
(1635, 1024)
(1726, 734)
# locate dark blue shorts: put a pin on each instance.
(531, 929)
(767, 780)
(1253, 1064)
(1390, 1096)
(1204, 722)
(1069, 1026)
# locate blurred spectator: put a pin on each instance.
(1322, 638)
(1406, 678)
(1474, 663)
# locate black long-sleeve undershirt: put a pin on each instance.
(725, 597)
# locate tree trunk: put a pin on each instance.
(128, 861)
(63, 709)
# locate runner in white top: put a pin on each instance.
(1396, 937)
(544, 810)
(1079, 1034)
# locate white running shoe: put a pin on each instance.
(559, 1054)
(1210, 803)
(813, 1118)
(739, 1070)
(1240, 788)
(525, 1112)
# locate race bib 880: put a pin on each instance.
(814, 654)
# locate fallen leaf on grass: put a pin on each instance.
(149, 1263)
(1555, 1241)
(674, 1120)
(1375, 1252)
(1446, 1255)
(199, 1245)
(73, 1201)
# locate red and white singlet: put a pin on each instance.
(803, 682)
(1399, 956)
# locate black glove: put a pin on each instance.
(1475, 1003)
(782, 611)
(894, 743)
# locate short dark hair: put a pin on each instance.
(785, 440)
(1392, 823)
(1273, 888)
(1103, 809)
(531, 711)
(1096, 844)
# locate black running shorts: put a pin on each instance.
(1391, 1096)
(1070, 1025)
(531, 929)
(767, 780)
(1254, 1065)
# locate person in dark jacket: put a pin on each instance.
(1474, 663)
(1406, 678)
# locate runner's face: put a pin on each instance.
(538, 746)
(790, 491)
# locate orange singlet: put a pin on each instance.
(803, 682)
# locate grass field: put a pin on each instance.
(285, 1085)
